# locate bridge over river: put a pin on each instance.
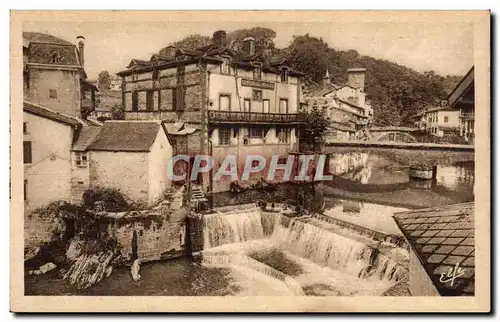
(408, 153)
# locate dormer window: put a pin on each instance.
(55, 58)
(284, 75)
(225, 68)
(257, 71)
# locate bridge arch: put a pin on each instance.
(396, 137)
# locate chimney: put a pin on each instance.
(219, 38)
(356, 78)
(81, 48)
(249, 46)
(326, 79)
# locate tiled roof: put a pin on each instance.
(51, 115)
(42, 38)
(85, 137)
(126, 136)
(442, 237)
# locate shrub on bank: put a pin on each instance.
(113, 198)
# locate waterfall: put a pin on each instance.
(319, 245)
(335, 251)
(234, 227)
(248, 262)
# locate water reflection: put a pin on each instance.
(459, 176)
(367, 168)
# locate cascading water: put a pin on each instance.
(231, 228)
(332, 250)
(264, 230)
(247, 262)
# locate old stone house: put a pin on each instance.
(47, 140)
(56, 101)
(241, 103)
(129, 155)
(442, 120)
(462, 98)
(346, 107)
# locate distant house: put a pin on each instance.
(442, 120)
(462, 99)
(442, 246)
(346, 107)
(47, 140)
(129, 155)
(57, 98)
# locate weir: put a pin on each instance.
(276, 231)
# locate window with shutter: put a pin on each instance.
(135, 102)
(224, 103)
(27, 152)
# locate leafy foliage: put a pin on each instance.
(315, 127)
(113, 198)
(104, 80)
(118, 112)
(397, 93)
(193, 42)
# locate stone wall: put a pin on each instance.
(39, 229)
(159, 233)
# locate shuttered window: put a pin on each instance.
(224, 103)
(27, 152)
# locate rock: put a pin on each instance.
(74, 249)
(47, 267)
(134, 270)
(31, 253)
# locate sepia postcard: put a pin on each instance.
(250, 161)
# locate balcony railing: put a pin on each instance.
(250, 117)
(469, 116)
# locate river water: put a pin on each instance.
(255, 253)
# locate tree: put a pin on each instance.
(192, 42)
(117, 112)
(316, 125)
(309, 55)
(104, 80)
(264, 40)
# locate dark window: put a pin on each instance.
(179, 98)
(257, 95)
(225, 67)
(224, 136)
(135, 101)
(25, 189)
(282, 160)
(27, 152)
(25, 127)
(284, 75)
(282, 135)
(149, 100)
(255, 163)
(81, 159)
(174, 99)
(257, 72)
(26, 78)
(52, 93)
(446, 119)
(256, 132)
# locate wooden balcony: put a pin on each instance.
(254, 118)
(467, 116)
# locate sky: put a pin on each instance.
(446, 48)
